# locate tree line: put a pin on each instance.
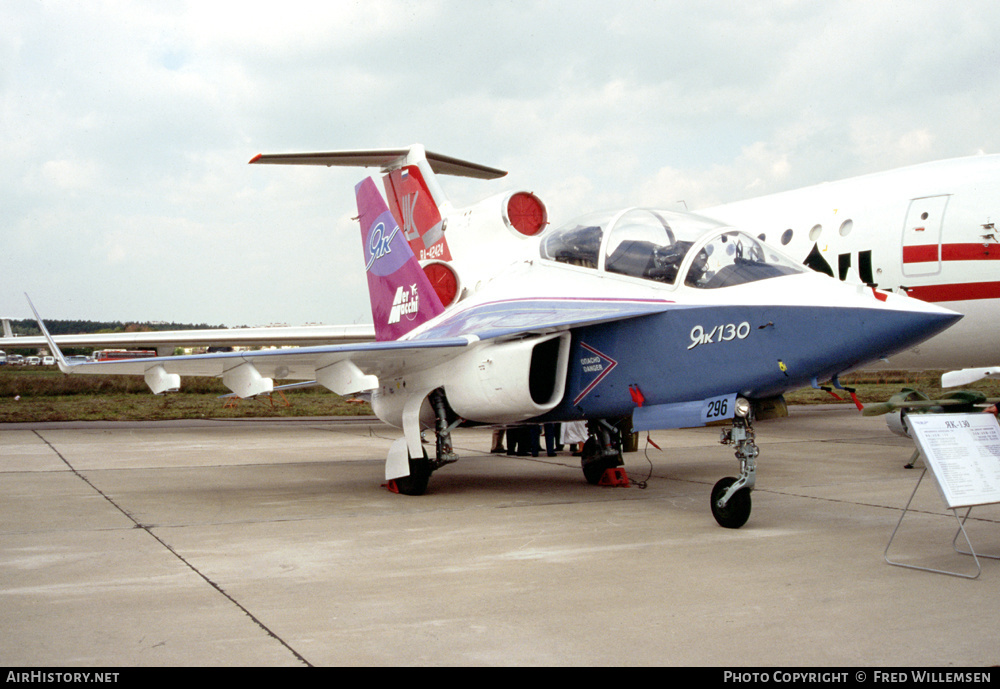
(75, 327)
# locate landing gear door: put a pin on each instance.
(922, 235)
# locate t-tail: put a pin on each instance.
(481, 238)
(401, 295)
(416, 199)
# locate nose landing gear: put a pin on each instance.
(731, 496)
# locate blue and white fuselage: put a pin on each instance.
(672, 308)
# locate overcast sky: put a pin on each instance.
(126, 127)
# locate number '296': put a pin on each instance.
(717, 408)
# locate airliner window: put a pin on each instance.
(735, 258)
(642, 244)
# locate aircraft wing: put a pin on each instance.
(296, 363)
(511, 317)
(165, 341)
(351, 368)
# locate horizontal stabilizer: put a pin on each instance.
(385, 158)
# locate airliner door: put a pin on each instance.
(922, 235)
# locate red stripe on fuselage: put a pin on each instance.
(925, 253)
(956, 292)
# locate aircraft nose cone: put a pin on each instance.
(849, 338)
(908, 324)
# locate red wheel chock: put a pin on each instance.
(615, 476)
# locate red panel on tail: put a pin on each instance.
(414, 209)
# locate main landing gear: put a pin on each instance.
(602, 450)
(731, 496)
(416, 482)
(421, 468)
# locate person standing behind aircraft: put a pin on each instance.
(574, 434)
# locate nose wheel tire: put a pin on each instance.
(736, 512)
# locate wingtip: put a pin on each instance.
(56, 352)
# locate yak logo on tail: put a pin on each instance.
(379, 245)
(401, 295)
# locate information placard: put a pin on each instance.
(963, 453)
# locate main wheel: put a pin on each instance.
(594, 468)
(737, 511)
(416, 482)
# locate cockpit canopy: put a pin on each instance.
(662, 245)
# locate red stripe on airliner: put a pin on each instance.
(958, 292)
(925, 253)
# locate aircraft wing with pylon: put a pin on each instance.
(166, 341)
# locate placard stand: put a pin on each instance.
(963, 453)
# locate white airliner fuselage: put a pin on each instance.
(926, 230)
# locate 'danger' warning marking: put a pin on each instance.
(596, 364)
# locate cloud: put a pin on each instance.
(128, 125)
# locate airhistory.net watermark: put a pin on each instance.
(47, 676)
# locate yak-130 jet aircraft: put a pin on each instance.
(670, 318)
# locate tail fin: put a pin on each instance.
(401, 295)
(416, 209)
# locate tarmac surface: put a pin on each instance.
(240, 543)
